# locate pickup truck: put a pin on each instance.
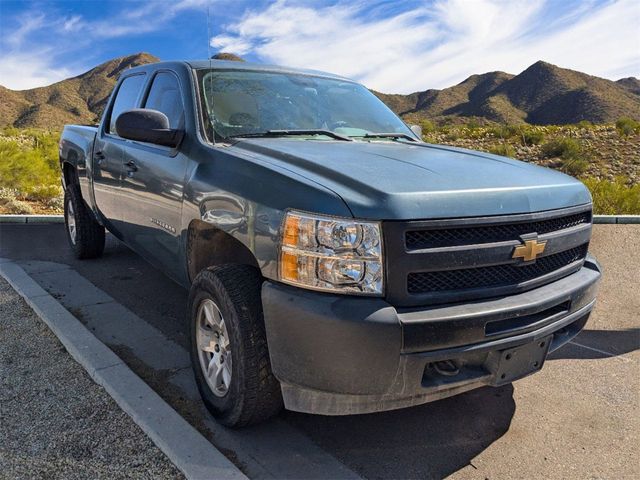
(336, 263)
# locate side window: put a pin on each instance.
(126, 98)
(165, 97)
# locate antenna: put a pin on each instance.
(210, 102)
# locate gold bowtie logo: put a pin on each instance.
(529, 251)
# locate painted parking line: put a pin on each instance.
(603, 352)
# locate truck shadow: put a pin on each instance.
(597, 344)
(428, 441)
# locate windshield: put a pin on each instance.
(239, 102)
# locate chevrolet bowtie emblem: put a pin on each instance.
(529, 251)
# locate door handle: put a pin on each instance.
(131, 165)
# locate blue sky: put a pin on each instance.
(396, 46)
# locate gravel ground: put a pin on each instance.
(55, 422)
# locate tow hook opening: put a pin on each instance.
(446, 368)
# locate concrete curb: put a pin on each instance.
(616, 219)
(189, 451)
(31, 219)
(598, 219)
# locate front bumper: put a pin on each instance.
(337, 355)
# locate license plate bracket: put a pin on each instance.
(518, 362)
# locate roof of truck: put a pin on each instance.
(234, 65)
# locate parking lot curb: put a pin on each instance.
(187, 449)
(616, 219)
(31, 219)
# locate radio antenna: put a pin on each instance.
(209, 102)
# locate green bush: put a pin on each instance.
(627, 126)
(529, 136)
(614, 197)
(503, 149)
(43, 193)
(574, 166)
(28, 159)
(565, 148)
(504, 131)
(427, 126)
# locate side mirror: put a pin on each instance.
(417, 129)
(146, 125)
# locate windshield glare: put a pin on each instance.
(241, 102)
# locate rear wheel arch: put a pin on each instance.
(210, 246)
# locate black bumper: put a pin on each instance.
(339, 355)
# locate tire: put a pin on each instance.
(85, 235)
(246, 392)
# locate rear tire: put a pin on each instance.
(229, 353)
(85, 235)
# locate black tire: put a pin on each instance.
(253, 394)
(89, 234)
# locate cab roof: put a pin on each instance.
(234, 65)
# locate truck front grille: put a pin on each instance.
(494, 276)
(420, 239)
(454, 260)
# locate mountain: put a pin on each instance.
(79, 99)
(630, 83)
(542, 94)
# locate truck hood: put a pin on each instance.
(394, 180)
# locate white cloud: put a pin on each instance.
(440, 44)
(21, 72)
(27, 60)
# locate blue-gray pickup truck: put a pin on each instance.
(337, 264)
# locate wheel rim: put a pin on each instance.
(71, 222)
(214, 347)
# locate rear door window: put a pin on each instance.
(126, 98)
(165, 97)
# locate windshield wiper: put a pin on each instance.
(390, 135)
(284, 133)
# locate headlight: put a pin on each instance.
(331, 254)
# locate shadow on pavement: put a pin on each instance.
(596, 344)
(428, 441)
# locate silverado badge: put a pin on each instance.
(529, 251)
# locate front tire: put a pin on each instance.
(229, 353)
(85, 235)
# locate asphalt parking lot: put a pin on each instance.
(579, 417)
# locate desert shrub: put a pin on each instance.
(531, 136)
(503, 149)
(28, 158)
(43, 193)
(584, 124)
(16, 207)
(504, 131)
(427, 126)
(615, 197)
(574, 166)
(566, 148)
(627, 126)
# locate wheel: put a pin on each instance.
(85, 235)
(229, 352)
